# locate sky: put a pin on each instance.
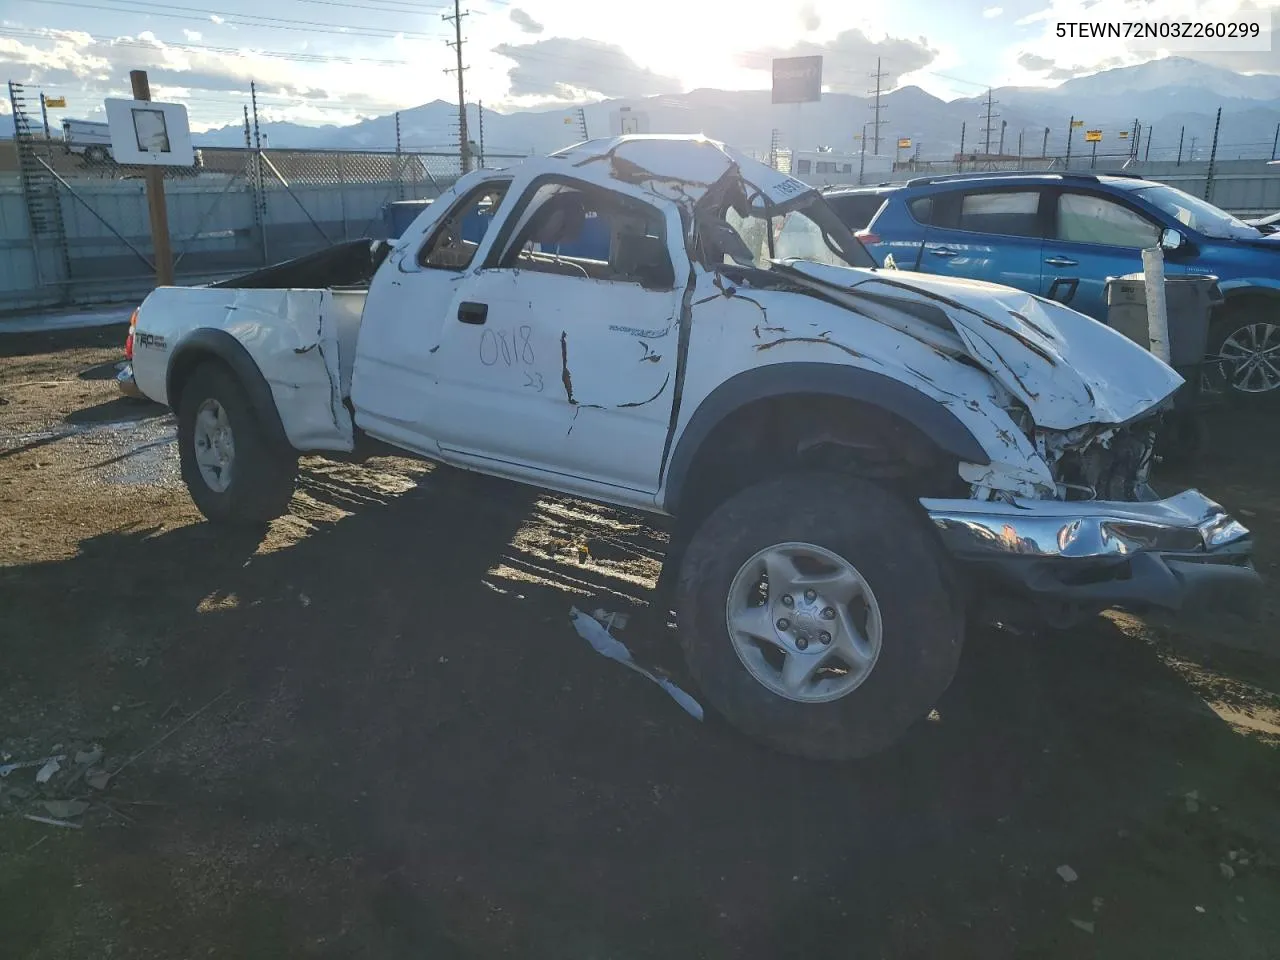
(335, 61)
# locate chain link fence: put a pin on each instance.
(233, 211)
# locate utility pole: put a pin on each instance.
(1003, 124)
(464, 145)
(155, 196)
(862, 154)
(1275, 142)
(1135, 139)
(1147, 155)
(877, 76)
(248, 140)
(1213, 155)
(44, 115)
(987, 128)
(1181, 133)
(1071, 130)
(962, 126)
(480, 120)
(1044, 147)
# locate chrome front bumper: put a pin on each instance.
(1182, 553)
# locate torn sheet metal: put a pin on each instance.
(729, 335)
(1067, 368)
(301, 340)
(682, 167)
(603, 642)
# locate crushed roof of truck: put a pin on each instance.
(682, 166)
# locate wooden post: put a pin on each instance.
(155, 198)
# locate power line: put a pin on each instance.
(242, 20)
(19, 34)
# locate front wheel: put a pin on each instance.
(234, 473)
(816, 615)
(1243, 358)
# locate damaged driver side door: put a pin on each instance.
(558, 362)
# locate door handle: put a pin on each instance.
(942, 252)
(1062, 262)
(469, 312)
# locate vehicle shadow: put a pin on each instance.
(418, 756)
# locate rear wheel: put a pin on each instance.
(816, 615)
(234, 473)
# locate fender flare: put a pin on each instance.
(210, 343)
(1247, 287)
(893, 396)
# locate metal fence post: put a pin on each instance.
(342, 195)
(1213, 156)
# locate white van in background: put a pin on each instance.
(89, 139)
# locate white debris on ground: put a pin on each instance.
(1067, 874)
(604, 643)
(52, 790)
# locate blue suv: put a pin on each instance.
(1062, 235)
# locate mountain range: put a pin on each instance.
(1165, 95)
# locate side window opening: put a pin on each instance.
(1011, 213)
(921, 210)
(592, 234)
(455, 240)
(1083, 218)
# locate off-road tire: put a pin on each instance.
(897, 554)
(263, 474)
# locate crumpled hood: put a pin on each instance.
(1067, 368)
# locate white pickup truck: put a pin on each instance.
(853, 456)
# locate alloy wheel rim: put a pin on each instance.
(804, 622)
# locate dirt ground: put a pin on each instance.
(375, 734)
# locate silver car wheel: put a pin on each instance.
(215, 448)
(1249, 359)
(804, 622)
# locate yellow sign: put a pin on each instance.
(1077, 123)
(55, 101)
(1092, 136)
(904, 143)
(1124, 134)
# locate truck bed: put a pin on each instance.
(299, 331)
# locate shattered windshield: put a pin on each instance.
(808, 232)
(1196, 214)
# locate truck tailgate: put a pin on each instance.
(303, 342)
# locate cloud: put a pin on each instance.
(809, 18)
(193, 36)
(1035, 62)
(992, 12)
(563, 69)
(525, 22)
(846, 58)
(62, 58)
